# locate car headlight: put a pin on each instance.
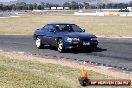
(72, 39)
(69, 39)
(93, 38)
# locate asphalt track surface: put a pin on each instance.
(113, 52)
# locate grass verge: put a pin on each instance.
(101, 26)
(32, 74)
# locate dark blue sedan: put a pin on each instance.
(64, 36)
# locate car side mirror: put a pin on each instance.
(83, 30)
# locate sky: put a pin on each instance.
(6, 0)
(111, 0)
(121, 0)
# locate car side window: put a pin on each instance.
(49, 28)
(52, 28)
(45, 28)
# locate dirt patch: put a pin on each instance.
(99, 69)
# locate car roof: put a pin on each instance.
(55, 23)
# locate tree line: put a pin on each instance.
(72, 5)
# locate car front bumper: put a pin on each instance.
(81, 45)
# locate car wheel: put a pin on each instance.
(60, 45)
(39, 44)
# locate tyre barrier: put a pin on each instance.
(111, 14)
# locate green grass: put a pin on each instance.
(101, 26)
(32, 74)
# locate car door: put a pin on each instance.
(51, 35)
(45, 29)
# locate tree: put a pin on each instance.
(39, 7)
(120, 5)
(109, 6)
(74, 5)
(35, 6)
(9, 7)
(80, 5)
(42, 5)
(130, 4)
(86, 5)
(30, 7)
(67, 4)
(103, 6)
(21, 6)
(13, 7)
(1, 6)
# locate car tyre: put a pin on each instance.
(60, 46)
(39, 44)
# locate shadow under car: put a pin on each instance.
(76, 50)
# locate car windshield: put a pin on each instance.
(68, 28)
